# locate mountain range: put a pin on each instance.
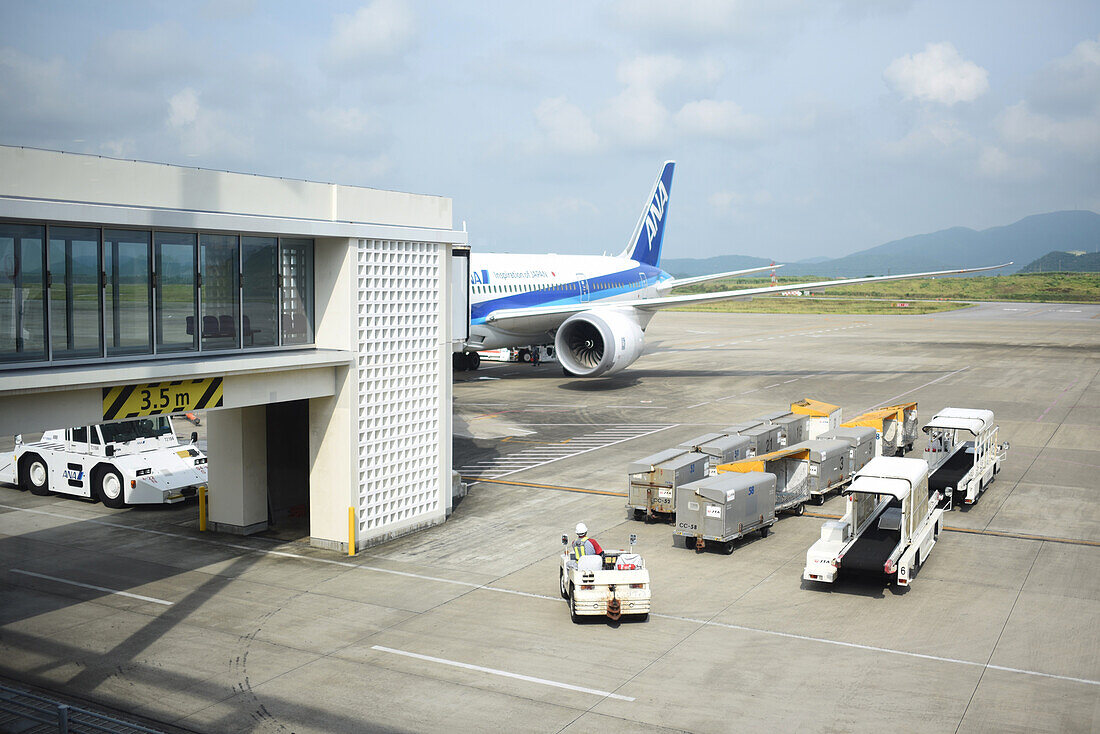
(1021, 242)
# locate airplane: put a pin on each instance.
(595, 309)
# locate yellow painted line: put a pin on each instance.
(606, 493)
(993, 533)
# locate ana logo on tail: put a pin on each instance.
(656, 211)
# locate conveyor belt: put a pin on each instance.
(873, 547)
(951, 472)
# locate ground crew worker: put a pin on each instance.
(583, 545)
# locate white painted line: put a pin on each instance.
(643, 407)
(919, 387)
(769, 387)
(482, 587)
(503, 673)
(874, 648)
(91, 586)
(594, 448)
(697, 405)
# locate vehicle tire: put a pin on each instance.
(573, 606)
(819, 499)
(109, 489)
(996, 469)
(643, 617)
(561, 584)
(689, 542)
(473, 361)
(727, 547)
(800, 510)
(765, 530)
(34, 475)
(524, 355)
(638, 514)
(458, 361)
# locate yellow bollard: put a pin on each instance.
(351, 531)
(202, 509)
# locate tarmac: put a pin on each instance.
(460, 627)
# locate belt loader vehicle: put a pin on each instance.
(961, 469)
(889, 527)
(821, 416)
(724, 508)
(610, 584)
(652, 482)
(128, 463)
(791, 469)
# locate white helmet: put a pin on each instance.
(582, 529)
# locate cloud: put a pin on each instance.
(1020, 124)
(566, 126)
(719, 119)
(930, 137)
(736, 204)
(384, 28)
(997, 164)
(937, 74)
(635, 117)
(701, 21)
(1070, 84)
(200, 131)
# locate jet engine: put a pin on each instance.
(595, 343)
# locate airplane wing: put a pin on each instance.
(677, 282)
(550, 317)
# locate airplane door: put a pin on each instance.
(584, 286)
(643, 282)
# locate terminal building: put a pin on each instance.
(326, 316)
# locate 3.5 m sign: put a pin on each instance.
(157, 398)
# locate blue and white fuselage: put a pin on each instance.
(595, 309)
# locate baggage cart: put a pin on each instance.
(652, 482)
(718, 447)
(763, 439)
(910, 428)
(791, 469)
(889, 428)
(861, 444)
(725, 507)
(821, 416)
(828, 466)
(792, 428)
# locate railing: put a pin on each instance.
(19, 708)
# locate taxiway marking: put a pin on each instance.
(92, 586)
(504, 673)
(483, 587)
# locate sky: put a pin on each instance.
(801, 128)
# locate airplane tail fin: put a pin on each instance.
(645, 243)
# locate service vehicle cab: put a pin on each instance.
(612, 584)
(889, 527)
(127, 463)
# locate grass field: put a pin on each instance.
(1031, 287)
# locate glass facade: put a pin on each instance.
(85, 293)
(177, 292)
(22, 293)
(129, 292)
(260, 291)
(296, 274)
(220, 291)
(76, 328)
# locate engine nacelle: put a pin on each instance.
(594, 343)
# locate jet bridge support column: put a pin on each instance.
(237, 446)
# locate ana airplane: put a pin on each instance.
(595, 309)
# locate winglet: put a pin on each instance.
(649, 232)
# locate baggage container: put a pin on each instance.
(737, 428)
(652, 481)
(889, 428)
(791, 469)
(763, 439)
(724, 508)
(718, 447)
(828, 466)
(909, 424)
(861, 444)
(821, 416)
(792, 428)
